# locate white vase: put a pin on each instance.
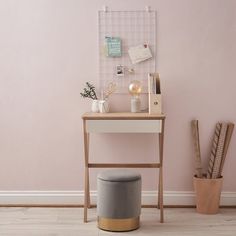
(103, 106)
(95, 106)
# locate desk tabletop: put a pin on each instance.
(122, 116)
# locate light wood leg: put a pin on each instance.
(86, 196)
(159, 183)
(86, 173)
(161, 196)
(160, 186)
(88, 190)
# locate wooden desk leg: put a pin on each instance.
(160, 186)
(161, 196)
(88, 190)
(86, 196)
(86, 172)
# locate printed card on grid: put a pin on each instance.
(139, 53)
(113, 46)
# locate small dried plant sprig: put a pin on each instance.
(110, 89)
(89, 92)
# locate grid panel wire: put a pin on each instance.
(134, 28)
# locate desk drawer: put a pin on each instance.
(123, 126)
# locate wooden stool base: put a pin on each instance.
(118, 224)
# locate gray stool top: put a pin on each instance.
(119, 175)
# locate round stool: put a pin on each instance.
(119, 200)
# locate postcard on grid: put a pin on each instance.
(139, 53)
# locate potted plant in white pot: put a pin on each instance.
(90, 92)
(99, 105)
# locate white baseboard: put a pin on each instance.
(181, 198)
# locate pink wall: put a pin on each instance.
(48, 50)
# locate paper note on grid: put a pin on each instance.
(113, 47)
(139, 53)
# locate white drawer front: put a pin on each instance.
(123, 126)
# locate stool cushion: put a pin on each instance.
(119, 175)
(119, 194)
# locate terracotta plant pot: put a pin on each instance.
(208, 193)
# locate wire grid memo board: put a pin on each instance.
(133, 28)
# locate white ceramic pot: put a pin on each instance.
(95, 106)
(103, 106)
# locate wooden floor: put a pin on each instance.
(69, 222)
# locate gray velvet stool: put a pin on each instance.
(119, 200)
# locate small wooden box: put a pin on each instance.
(154, 93)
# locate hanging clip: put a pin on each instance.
(147, 8)
(105, 8)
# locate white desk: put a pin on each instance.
(123, 123)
